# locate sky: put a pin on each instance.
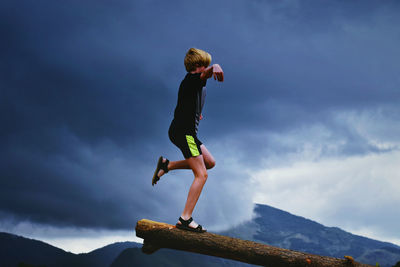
(306, 119)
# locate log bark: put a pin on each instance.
(158, 235)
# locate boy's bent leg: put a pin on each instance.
(176, 165)
(208, 159)
(200, 178)
(179, 164)
(173, 165)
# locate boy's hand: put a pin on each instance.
(218, 73)
(214, 70)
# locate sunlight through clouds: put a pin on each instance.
(353, 193)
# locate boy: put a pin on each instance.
(183, 131)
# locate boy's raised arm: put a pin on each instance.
(214, 70)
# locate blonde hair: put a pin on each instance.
(196, 58)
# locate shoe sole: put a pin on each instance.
(158, 168)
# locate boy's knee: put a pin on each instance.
(210, 164)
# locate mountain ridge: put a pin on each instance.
(15, 249)
(280, 228)
(270, 225)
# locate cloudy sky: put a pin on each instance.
(305, 121)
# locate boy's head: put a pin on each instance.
(196, 58)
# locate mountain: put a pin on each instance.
(15, 250)
(270, 226)
(103, 257)
(282, 229)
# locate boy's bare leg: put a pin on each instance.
(209, 162)
(200, 177)
(179, 164)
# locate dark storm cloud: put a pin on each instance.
(57, 73)
(88, 89)
(67, 89)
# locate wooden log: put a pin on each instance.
(158, 235)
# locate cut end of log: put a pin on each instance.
(149, 248)
(349, 259)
